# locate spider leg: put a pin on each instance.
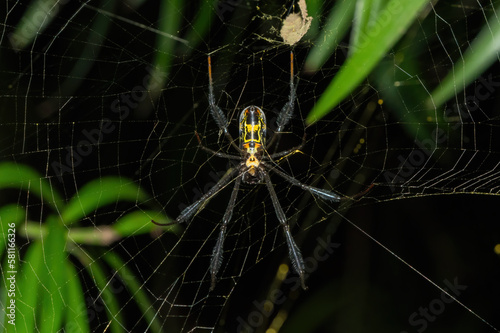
(192, 209)
(286, 112)
(293, 249)
(325, 194)
(216, 260)
(217, 114)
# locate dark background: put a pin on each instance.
(447, 231)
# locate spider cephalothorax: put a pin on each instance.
(254, 167)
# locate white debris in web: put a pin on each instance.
(296, 25)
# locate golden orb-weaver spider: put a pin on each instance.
(254, 168)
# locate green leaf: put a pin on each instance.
(99, 193)
(97, 273)
(338, 22)
(362, 16)
(481, 54)
(10, 217)
(53, 277)
(131, 224)
(199, 27)
(136, 290)
(139, 222)
(35, 20)
(19, 176)
(390, 25)
(97, 34)
(76, 313)
(28, 288)
(169, 23)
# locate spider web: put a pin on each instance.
(100, 105)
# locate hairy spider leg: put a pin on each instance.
(322, 193)
(217, 114)
(188, 212)
(286, 112)
(293, 249)
(216, 261)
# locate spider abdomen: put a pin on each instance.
(252, 127)
(252, 138)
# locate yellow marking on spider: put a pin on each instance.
(289, 154)
(252, 162)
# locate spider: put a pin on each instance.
(255, 164)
